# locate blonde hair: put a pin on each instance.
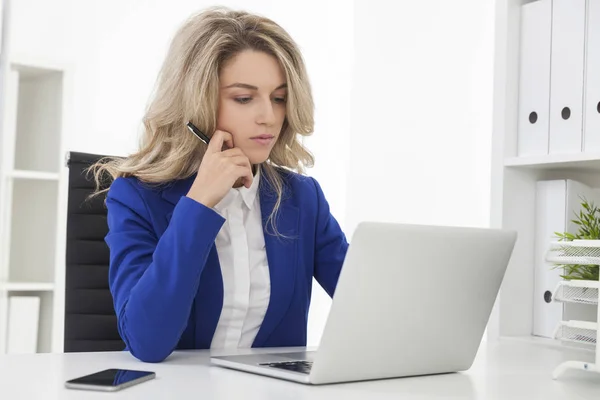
(187, 89)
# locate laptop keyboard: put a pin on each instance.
(297, 366)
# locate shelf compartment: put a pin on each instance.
(39, 119)
(577, 332)
(33, 226)
(577, 291)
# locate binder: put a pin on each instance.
(534, 77)
(566, 78)
(550, 204)
(23, 317)
(591, 114)
(556, 203)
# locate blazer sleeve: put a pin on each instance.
(331, 245)
(154, 280)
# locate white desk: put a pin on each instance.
(511, 369)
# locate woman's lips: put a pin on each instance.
(263, 140)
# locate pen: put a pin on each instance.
(198, 133)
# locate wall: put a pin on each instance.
(402, 92)
(421, 112)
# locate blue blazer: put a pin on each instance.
(165, 276)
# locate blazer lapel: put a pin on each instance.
(281, 256)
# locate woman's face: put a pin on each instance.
(252, 102)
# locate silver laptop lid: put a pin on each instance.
(411, 300)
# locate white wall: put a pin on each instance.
(421, 112)
(412, 146)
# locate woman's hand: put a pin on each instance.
(219, 170)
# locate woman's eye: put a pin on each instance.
(245, 100)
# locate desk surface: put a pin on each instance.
(508, 369)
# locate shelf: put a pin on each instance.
(577, 291)
(27, 287)
(33, 175)
(582, 252)
(582, 161)
(577, 332)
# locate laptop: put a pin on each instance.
(410, 300)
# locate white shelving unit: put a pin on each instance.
(33, 115)
(514, 177)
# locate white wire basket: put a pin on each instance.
(577, 332)
(581, 252)
(577, 252)
(577, 291)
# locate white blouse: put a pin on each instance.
(243, 258)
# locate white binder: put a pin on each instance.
(557, 201)
(23, 317)
(534, 86)
(591, 114)
(566, 80)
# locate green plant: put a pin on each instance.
(588, 222)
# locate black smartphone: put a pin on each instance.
(110, 380)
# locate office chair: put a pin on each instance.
(90, 320)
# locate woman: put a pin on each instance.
(215, 246)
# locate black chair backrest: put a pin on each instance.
(90, 320)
